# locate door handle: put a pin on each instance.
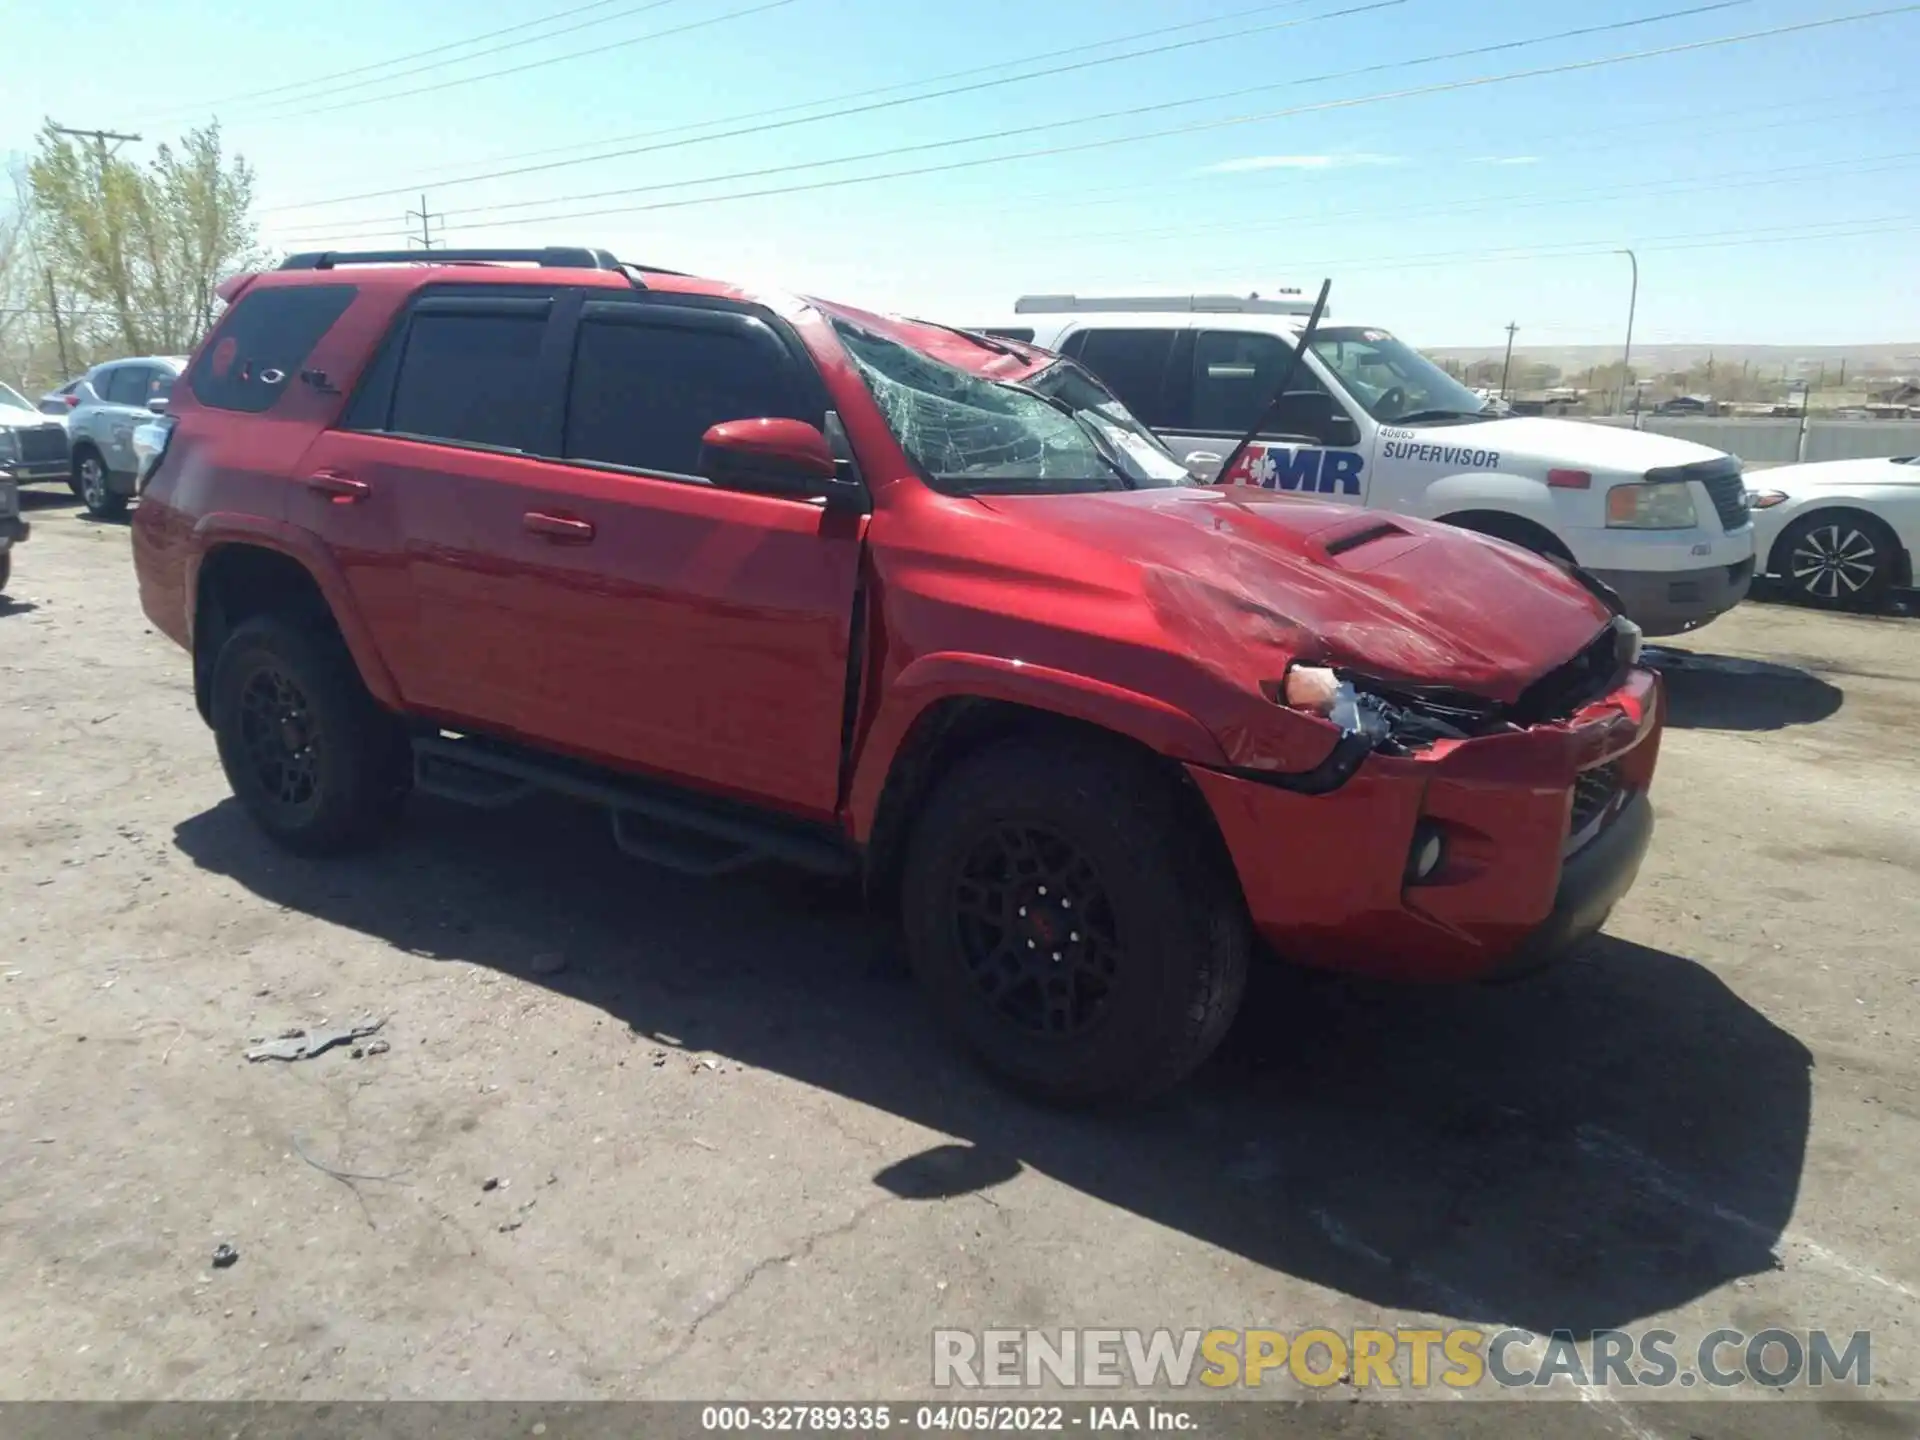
(562, 529)
(341, 489)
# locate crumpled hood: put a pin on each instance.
(1577, 444)
(1248, 580)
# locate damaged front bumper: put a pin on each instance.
(1541, 832)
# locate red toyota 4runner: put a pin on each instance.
(775, 579)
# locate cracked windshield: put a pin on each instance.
(1060, 435)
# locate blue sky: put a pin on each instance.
(1768, 187)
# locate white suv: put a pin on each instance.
(1367, 419)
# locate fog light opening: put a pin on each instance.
(1428, 854)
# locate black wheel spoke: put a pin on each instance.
(1036, 929)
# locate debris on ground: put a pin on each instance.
(224, 1255)
(305, 1044)
(492, 1182)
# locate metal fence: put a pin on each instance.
(1778, 442)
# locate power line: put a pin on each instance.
(866, 94)
(1050, 125)
(382, 64)
(1350, 102)
(591, 51)
(680, 130)
(462, 60)
(1530, 200)
(1080, 198)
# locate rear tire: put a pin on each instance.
(1837, 559)
(1063, 916)
(314, 759)
(6, 569)
(93, 484)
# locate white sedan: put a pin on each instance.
(1837, 533)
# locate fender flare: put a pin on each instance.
(303, 548)
(947, 675)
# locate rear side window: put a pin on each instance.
(263, 343)
(1235, 373)
(126, 386)
(649, 381)
(471, 378)
(1132, 364)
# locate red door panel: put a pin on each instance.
(695, 632)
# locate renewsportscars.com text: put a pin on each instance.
(1456, 1359)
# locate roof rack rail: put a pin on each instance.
(553, 257)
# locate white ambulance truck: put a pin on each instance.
(1369, 420)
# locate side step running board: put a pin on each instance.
(652, 822)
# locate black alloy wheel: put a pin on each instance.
(1036, 930)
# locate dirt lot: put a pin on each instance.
(735, 1158)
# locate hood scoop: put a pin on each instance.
(1371, 543)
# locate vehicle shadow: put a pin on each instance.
(10, 606)
(37, 499)
(1610, 1140)
(1723, 692)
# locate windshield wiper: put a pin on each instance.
(1419, 415)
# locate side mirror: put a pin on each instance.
(770, 457)
(158, 404)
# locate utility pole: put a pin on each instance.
(1633, 301)
(99, 138)
(1507, 364)
(426, 219)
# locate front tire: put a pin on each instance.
(1064, 918)
(6, 569)
(316, 762)
(1837, 559)
(94, 486)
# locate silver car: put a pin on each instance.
(115, 398)
(33, 446)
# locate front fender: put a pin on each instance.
(1490, 490)
(303, 547)
(931, 679)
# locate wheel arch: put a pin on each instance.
(953, 727)
(254, 571)
(1511, 526)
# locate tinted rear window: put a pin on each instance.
(263, 343)
(470, 378)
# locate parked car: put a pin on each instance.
(114, 398)
(772, 578)
(32, 447)
(59, 402)
(1661, 521)
(1838, 533)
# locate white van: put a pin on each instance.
(1367, 419)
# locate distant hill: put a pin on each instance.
(1648, 360)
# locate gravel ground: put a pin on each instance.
(734, 1157)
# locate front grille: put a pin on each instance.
(1593, 791)
(1584, 678)
(41, 444)
(1729, 494)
